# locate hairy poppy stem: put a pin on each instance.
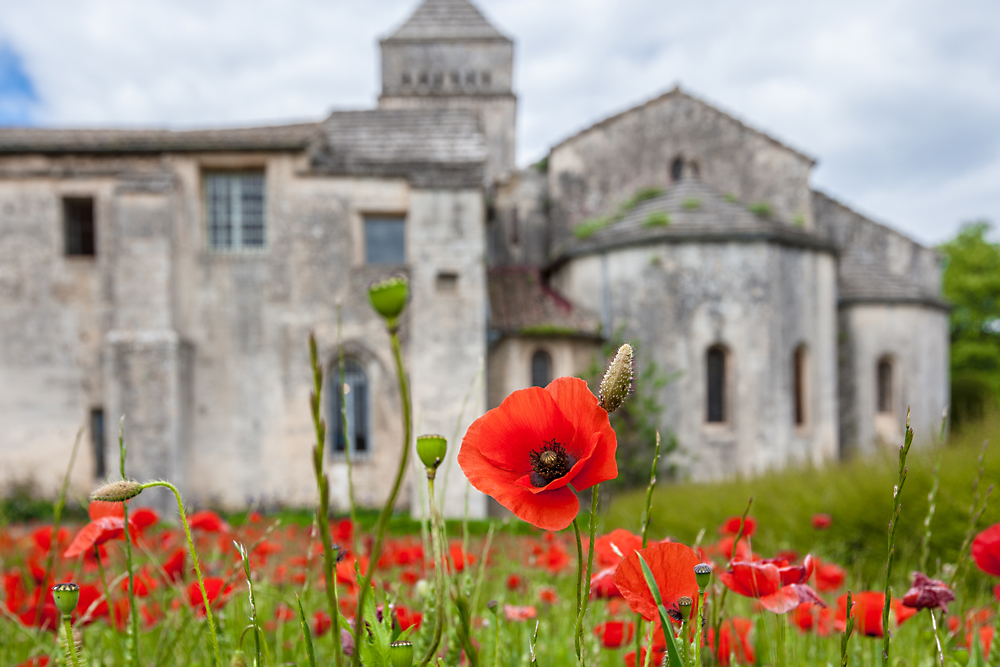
(323, 488)
(197, 567)
(585, 598)
(646, 518)
(70, 644)
(133, 609)
(579, 578)
(439, 592)
(383, 519)
(894, 521)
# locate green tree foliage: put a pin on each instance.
(972, 286)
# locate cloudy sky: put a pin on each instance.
(899, 100)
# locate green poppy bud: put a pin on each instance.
(117, 492)
(684, 605)
(401, 654)
(66, 596)
(617, 383)
(493, 606)
(703, 575)
(431, 449)
(388, 297)
(239, 659)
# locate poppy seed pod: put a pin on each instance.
(684, 605)
(703, 575)
(66, 596)
(617, 383)
(401, 654)
(388, 297)
(117, 492)
(432, 449)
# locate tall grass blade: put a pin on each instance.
(673, 655)
(893, 523)
(306, 633)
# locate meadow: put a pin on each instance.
(789, 568)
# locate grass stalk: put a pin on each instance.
(306, 633)
(133, 609)
(893, 523)
(975, 512)
(323, 492)
(383, 519)
(253, 605)
(194, 562)
(845, 636)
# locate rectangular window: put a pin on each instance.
(97, 442)
(234, 208)
(385, 240)
(78, 227)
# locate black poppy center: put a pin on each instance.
(550, 462)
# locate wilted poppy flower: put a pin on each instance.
(528, 451)
(731, 526)
(779, 589)
(672, 565)
(734, 641)
(927, 593)
(208, 521)
(986, 550)
(519, 613)
(614, 634)
(821, 521)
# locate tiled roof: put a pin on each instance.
(521, 304)
(446, 19)
(44, 140)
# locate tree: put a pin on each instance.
(972, 286)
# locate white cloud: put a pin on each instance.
(897, 99)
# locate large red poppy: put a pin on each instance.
(528, 451)
(779, 587)
(613, 634)
(867, 612)
(986, 550)
(672, 565)
(734, 642)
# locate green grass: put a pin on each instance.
(858, 496)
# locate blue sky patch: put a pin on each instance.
(17, 94)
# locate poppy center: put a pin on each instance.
(550, 462)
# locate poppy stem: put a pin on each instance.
(70, 644)
(383, 519)
(937, 637)
(439, 592)
(585, 599)
(579, 570)
(133, 609)
(197, 567)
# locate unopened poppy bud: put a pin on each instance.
(66, 596)
(684, 604)
(401, 654)
(388, 297)
(617, 382)
(703, 575)
(493, 606)
(117, 492)
(239, 660)
(431, 449)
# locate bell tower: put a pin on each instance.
(448, 56)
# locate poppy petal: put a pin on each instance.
(525, 421)
(789, 597)
(593, 428)
(672, 565)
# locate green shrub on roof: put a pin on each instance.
(761, 208)
(588, 228)
(656, 219)
(691, 204)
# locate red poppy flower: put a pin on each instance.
(927, 593)
(174, 566)
(42, 537)
(731, 526)
(986, 633)
(408, 617)
(672, 565)
(143, 517)
(321, 623)
(829, 576)
(555, 559)
(724, 548)
(986, 550)
(527, 452)
(611, 548)
(602, 584)
(734, 641)
(548, 595)
(779, 588)
(821, 521)
(513, 582)
(215, 588)
(867, 612)
(89, 596)
(208, 521)
(614, 634)
(96, 532)
(519, 613)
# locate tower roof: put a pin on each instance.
(446, 19)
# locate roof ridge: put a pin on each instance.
(446, 19)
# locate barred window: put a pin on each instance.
(356, 402)
(234, 205)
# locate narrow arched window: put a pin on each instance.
(541, 368)
(715, 362)
(356, 400)
(885, 388)
(799, 369)
(677, 169)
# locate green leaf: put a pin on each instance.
(306, 634)
(668, 633)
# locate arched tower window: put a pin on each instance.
(885, 386)
(800, 368)
(715, 365)
(541, 368)
(357, 402)
(677, 169)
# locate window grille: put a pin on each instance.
(385, 240)
(541, 368)
(78, 226)
(716, 367)
(356, 400)
(234, 205)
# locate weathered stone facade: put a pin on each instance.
(799, 330)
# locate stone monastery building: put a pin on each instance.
(174, 276)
